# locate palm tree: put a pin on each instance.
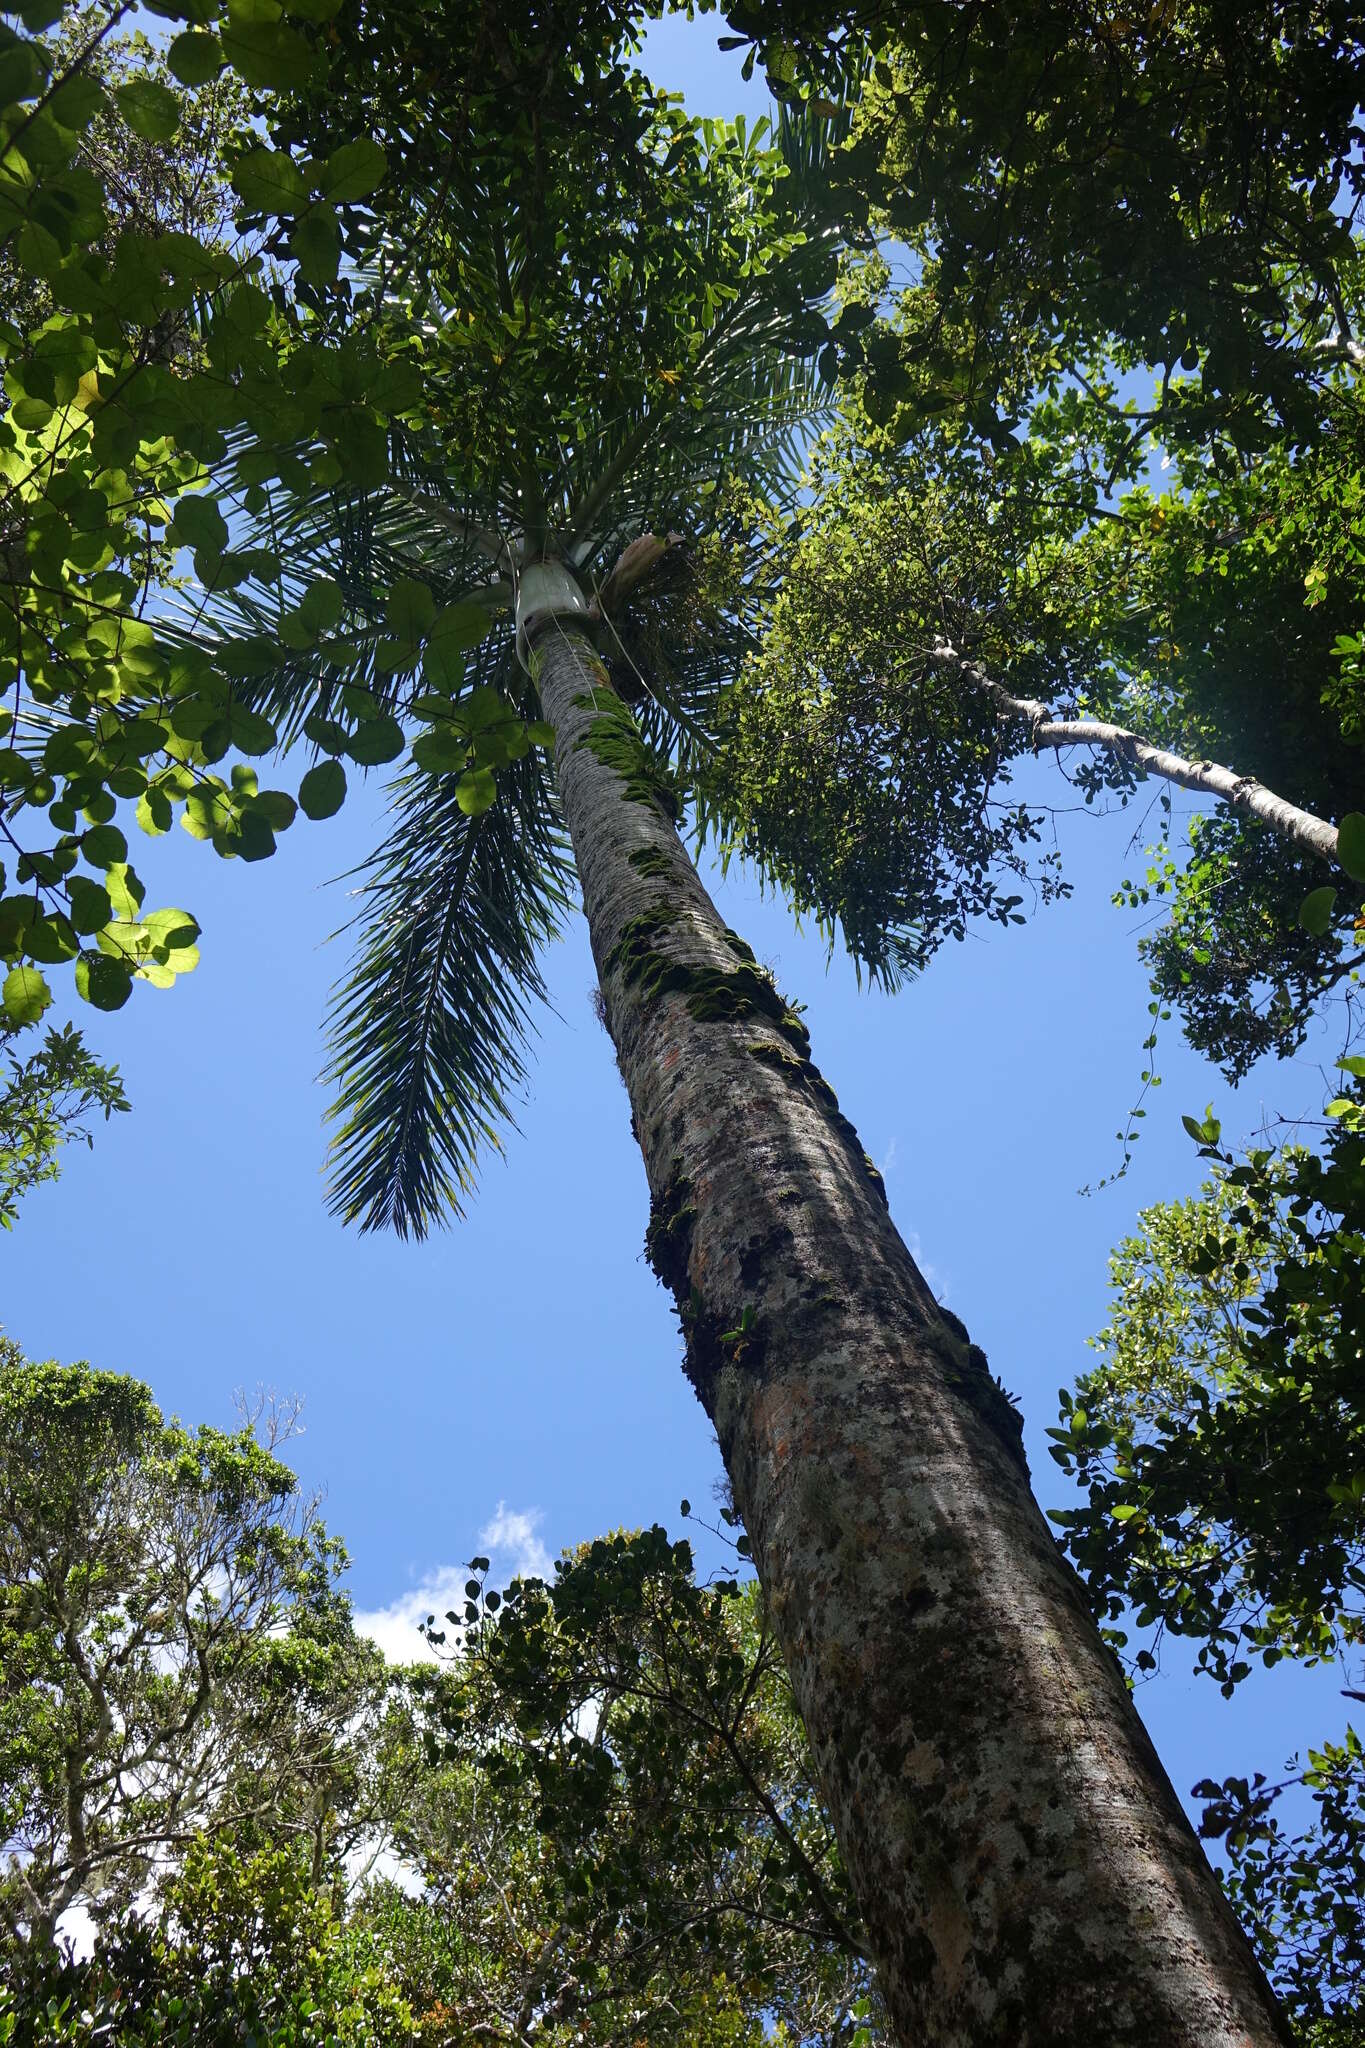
(595, 341)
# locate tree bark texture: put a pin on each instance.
(1210, 778)
(1025, 1870)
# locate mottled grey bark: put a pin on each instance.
(1210, 778)
(1024, 1867)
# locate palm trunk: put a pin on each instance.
(1025, 1870)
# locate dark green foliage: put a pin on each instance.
(636, 1730)
(853, 768)
(1221, 1446)
(1234, 956)
(1209, 252)
(49, 1098)
(1298, 1891)
(429, 1029)
(1085, 185)
(245, 1948)
(1220, 1442)
(175, 1659)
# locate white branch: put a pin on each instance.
(1210, 778)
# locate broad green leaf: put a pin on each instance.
(375, 741)
(268, 55)
(270, 182)
(90, 905)
(458, 627)
(392, 657)
(398, 387)
(103, 845)
(481, 709)
(25, 995)
(441, 750)
(32, 414)
(315, 245)
(199, 524)
(1315, 912)
(253, 655)
(476, 791)
(173, 929)
(323, 790)
(183, 10)
(251, 730)
(195, 57)
(155, 971)
(17, 913)
(151, 110)
(277, 808)
(104, 982)
(154, 812)
(354, 171)
(51, 939)
(22, 73)
(253, 839)
(125, 890)
(321, 605)
(1351, 845)
(410, 609)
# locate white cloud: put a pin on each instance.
(938, 1282)
(77, 1926)
(887, 1164)
(397, 1627)
(374, 1862)
(510, 1542)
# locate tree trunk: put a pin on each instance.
(1025, 1870)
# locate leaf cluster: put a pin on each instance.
(48, 1099)
(852, 767)
(1219, 1440)
(625, 1740)
(176, 1657)
(1297, 1890)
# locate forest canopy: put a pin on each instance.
(423, 393)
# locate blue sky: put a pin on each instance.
(515, 1382)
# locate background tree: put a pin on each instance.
(1215, 1446)
(48, 1100)
(1206, 252)
(238, 1947)
(600, 1812)
(621, 1818)
(177, 1662)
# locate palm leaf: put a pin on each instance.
(428, 1032)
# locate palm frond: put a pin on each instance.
(428, 1033)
